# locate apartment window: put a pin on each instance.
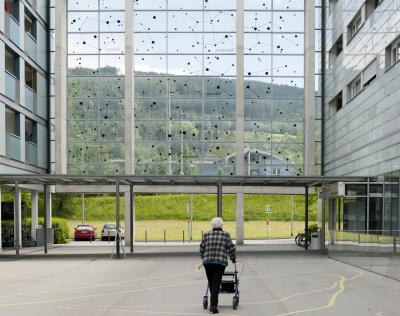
(12, 8)
(11, 61)
(336, 104)
(356, 87)
(356, 24)
(370, 6)
(332, 4)
(392, 53)
(30, 25)
(335, 50)
(30, 77)
(369, 73)
(276, 171)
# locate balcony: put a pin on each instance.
(31, 155)
(11, 28)
(30, 46)
(13, 148)
(12, 87)
(30, 99)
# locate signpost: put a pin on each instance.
(268, 211)
(187, 209)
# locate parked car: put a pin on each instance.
(85, 231)
(109, 229)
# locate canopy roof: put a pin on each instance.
(63, 179)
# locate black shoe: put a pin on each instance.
(213, 310)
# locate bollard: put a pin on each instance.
(145, 236)
(183, 236)
(164, 236)
(202, 235)
(108, 236)
(90, 237)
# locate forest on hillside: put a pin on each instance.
(200, 112)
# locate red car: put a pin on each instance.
(85, 232)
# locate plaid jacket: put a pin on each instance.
(216, 246)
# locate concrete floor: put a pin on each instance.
(276, 278)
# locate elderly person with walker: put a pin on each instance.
(214, 249)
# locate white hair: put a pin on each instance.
(217, 222)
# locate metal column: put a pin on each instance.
(323, 219)
(367, 219)
(306, 219)
(17, 214)
(117, 220)
(131, 216)
(219, 213)
(45, 218)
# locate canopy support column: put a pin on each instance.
(45, 217)
(219, 213)
(17, 218)
(132, 214)
(117, 237)
(306, 219)
(323, 219)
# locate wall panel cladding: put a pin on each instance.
(359, 136)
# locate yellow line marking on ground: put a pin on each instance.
(124, 309)
(94, 286)
(98, 295)
(331, 301)
(294, 295)
(133, 291)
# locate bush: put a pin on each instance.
(60, 226)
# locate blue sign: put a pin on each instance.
(268, 208)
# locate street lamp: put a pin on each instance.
(83, 195)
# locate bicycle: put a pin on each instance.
(27, 239)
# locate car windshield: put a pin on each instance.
(110, 226)
(84, 227)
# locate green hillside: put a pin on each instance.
(173, 207)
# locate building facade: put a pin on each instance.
(168, 87)
(25, 87)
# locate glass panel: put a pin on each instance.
(83, 22)
(354, 210)
(356, 189)
(112, 21)
(152, 43)
(288, 21)
(112, 5)
(150, 21)
(258, 5)
(82, 5)
(85, 43)
(83, 65)
(150, 5)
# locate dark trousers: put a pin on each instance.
(214, 275)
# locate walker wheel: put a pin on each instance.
(205, 302)
(235, 302)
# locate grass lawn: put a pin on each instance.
(174, 229)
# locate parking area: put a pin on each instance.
(276, 278)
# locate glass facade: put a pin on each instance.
(96, 87)
(185, 98)
(274, 88)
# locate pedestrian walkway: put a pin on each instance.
(276, 278)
